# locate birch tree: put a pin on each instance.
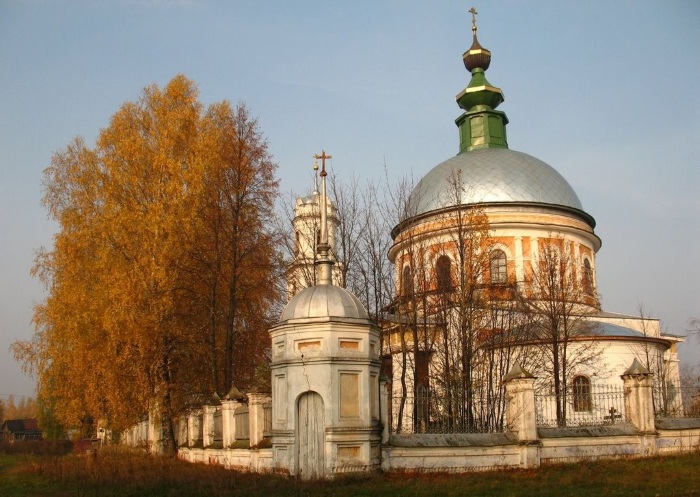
(558, 303)
(150, 279)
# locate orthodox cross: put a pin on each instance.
(323, 246)
(323, 158)
(473, 12)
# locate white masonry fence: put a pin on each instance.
(600, 422)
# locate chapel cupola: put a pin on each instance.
(481, 126)
(325, 373)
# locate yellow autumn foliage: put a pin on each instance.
(161, 276)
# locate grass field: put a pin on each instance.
(124, 473)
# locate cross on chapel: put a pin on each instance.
(323, 158)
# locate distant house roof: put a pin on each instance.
(31, 424)
(21, 429)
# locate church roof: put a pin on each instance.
(324, 301)
(486, 171)
(492, 175)
(603, 329)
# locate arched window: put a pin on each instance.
(443, 273)
(297, 244)
(499, 264)
(407, 281)
(587, 277)
(582, 394)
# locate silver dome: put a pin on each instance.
(603, 329)
(323, 301)
(492, 175)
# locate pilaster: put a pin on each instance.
(519, 271)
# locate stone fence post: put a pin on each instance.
(228, 422)
(256, 416)
(229, 404)
(639, 403)
(151, 442)
(192, 428)
(520, 414)
(384, 398)
(208, 425)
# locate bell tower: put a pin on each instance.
(307, 232)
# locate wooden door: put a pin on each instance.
(310, 436)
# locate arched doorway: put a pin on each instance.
(310, 436)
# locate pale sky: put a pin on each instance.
(605, 92)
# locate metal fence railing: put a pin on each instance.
(218, 427)
(431, 411)
(671, 401)
(593, 405)
(242, 427)
(267, 420)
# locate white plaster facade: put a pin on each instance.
(337, 359)
(521, 232)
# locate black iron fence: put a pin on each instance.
(267, 419)
(217, 437)
(593, 405)
(671, 401)
(434, 411)
(242, 423)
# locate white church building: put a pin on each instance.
(496, 244)
(494, 353)
(482, 230)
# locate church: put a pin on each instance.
(495, 265)
(494, 350)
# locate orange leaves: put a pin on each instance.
(162, 225)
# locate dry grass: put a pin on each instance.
(128, 473)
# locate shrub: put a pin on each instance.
(37, 447)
